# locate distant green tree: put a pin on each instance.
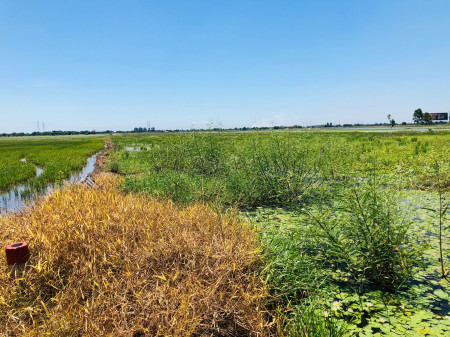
(427, 119)
(417, 116)
(391, 121)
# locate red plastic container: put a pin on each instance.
(17, 253)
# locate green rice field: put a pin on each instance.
(56, 156)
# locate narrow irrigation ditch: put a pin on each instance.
(18, 196)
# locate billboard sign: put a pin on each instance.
(440, 116)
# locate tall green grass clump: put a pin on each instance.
(363, 233)
(354, 243)
(309, 320)
(366, 234)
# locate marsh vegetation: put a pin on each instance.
(242, 234)
(350, 244)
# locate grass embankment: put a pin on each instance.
(58, 156)
(106, 263)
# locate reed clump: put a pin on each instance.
(107, 263)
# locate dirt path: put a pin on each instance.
(102, 157)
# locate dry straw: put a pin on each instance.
(105, 263)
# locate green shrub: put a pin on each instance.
(366, 234)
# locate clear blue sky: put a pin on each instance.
(180, 64)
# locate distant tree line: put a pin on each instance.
(419, 118)
(140, 130)
(53, 133)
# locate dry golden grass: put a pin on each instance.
(105, 263)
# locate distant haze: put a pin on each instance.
(97, 65)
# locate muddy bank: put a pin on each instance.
(102, 160)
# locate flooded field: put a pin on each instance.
(31, 166)
(18, 196)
